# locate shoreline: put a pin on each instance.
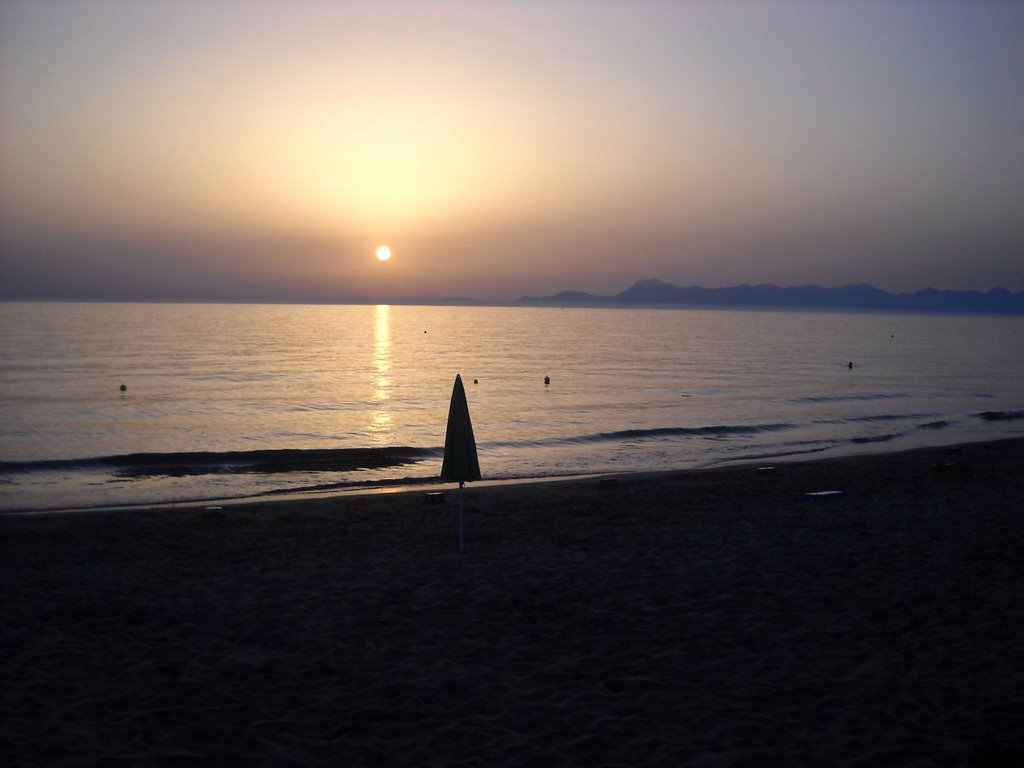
(716, 617)
(416, 485)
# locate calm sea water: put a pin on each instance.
(236, 400)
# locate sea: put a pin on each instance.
(138, 404)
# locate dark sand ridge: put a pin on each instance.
(715, 618)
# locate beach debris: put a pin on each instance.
(547, 380)
(952, 470)
(124, 388)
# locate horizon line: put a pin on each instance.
(473, 300)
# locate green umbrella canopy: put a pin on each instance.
(460, 461)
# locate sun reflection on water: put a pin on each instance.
(380, 423)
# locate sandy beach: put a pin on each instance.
(715, 618)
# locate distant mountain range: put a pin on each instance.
(864, 297)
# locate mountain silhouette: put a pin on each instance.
(654, 292)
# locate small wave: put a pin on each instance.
(877, 417)
(848, 398)
(321, 407)
(721, 430)
(941, 424)
(780, 454)
(235, 378)
(231, 462)
(876, 438)
(717, 430)
(1000, 415)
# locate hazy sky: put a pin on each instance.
(206, 148)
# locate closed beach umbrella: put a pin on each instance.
(460, 460)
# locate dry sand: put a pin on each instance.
(716, 618)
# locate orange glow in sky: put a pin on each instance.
(224, 148)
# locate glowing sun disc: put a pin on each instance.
(383, 253)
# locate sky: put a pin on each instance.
(263, 150)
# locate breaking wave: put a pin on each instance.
(1000, 415)
(644, 434)
(231, 462)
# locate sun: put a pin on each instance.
(383, 253)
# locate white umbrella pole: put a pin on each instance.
(460, 516)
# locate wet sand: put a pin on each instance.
(715, 618)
